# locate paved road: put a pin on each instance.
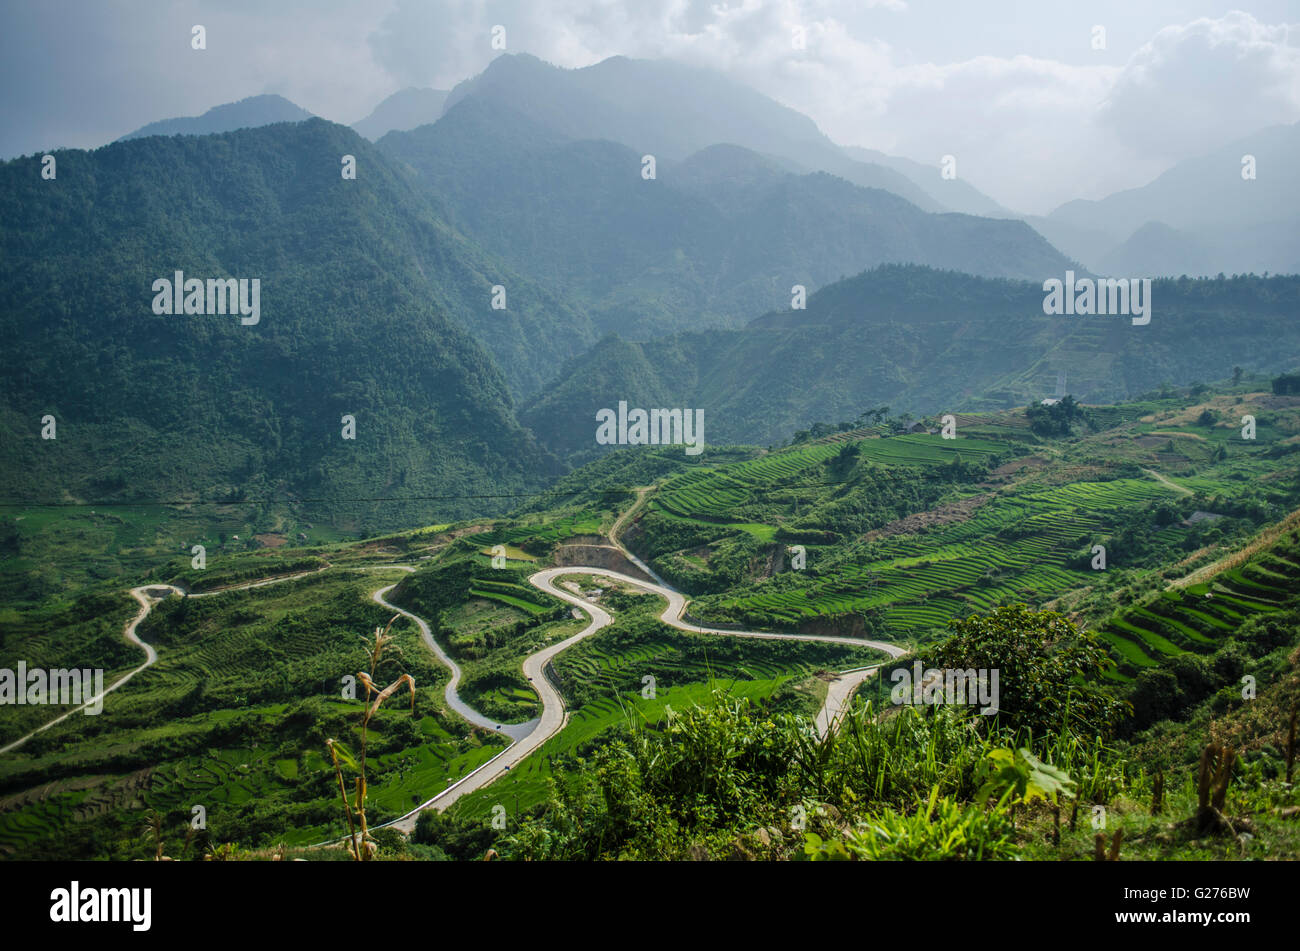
(554, 717)
(147, 601)
(516, 731)
(144, 594)
(525, 737)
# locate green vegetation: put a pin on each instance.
(930, 542)
(921, 341)
(728, 779)
(370, 323)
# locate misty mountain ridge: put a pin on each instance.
(715, 238)
(403, 110)
(1222, 221)
(245, 114)
(631, 101)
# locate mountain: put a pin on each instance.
(1240, 225)
(919, 340)
(716, 237)
(404, 109)
(245, 114)
(365, 295)
(954, 194)
(1156, 248)
(636, 103)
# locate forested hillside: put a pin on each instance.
(714, 239)
(917, 339)
(365, 297)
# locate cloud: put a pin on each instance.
(1196, 86)
(442, 42)
(1031, 130)
(1024, 129)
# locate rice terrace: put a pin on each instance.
(629, 434)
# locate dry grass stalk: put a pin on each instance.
(1212, 789)
(360, 846)
(1290, 743)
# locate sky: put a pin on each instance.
(1037, 106)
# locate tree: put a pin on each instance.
(1236, 376)
(1047, 669)
(873, 416)
(1286, 384)
(1155, 696)
(1056, 419)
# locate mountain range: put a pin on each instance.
(245, 114)
(366, 300)
(716, 237)
(1203, 216)
(914, 339)
(491, 279)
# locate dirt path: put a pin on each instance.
(1168, 482)
(1264, 539)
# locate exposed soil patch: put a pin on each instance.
(944, 514)
(1032, 463)
(271, 540)
(599, 556)
(1228, 407)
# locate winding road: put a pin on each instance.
(147, 596)
(554, 716)
(147, 601)
(524, 737)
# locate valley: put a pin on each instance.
(901, 533)
(361, 466)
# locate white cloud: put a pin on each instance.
(1032, 131)
(1196, 86)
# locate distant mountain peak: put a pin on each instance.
(404, 110)
(247, 113)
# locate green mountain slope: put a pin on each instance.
(916, 339)
(714, 239)
(363, 294)
(245, 114)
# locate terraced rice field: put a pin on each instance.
(1198, 617)
(542, 535)
(717, 494)
(595, 667)
(514, 595)
(1010, 549)
(919, 449)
